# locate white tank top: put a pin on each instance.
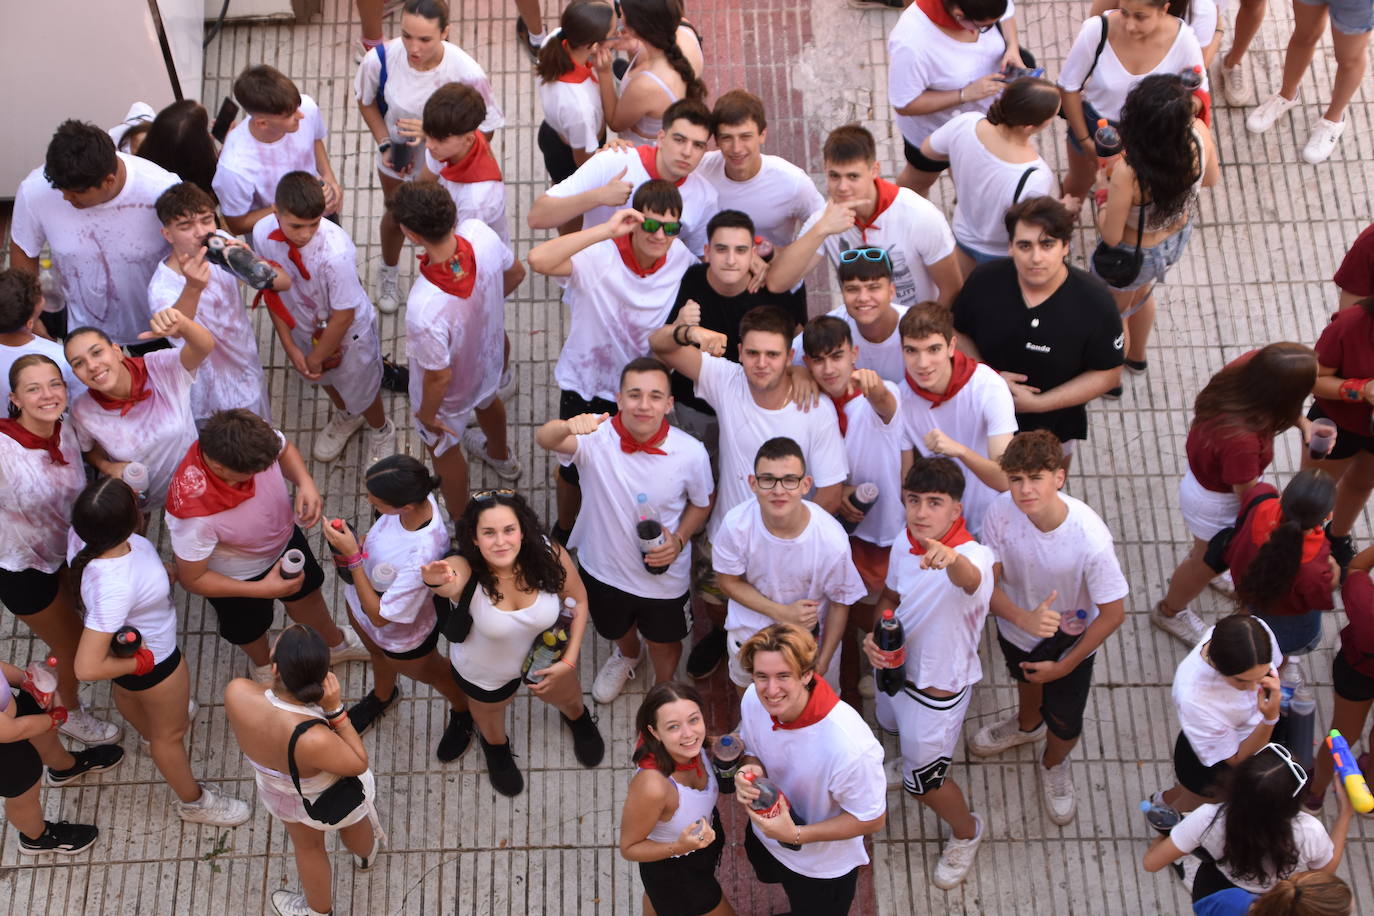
(646, 129)
(495, 649)
(692, 805)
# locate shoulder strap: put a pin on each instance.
(1021, 185)
(381, 81)
(1140, 227)
(465, 599)
(291, 752)
(1245, 510)
(1097, 55)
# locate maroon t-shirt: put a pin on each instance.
(1356, 273)
(1311, 589)
(1357, 636)
(1222, 456)
(1347, 345)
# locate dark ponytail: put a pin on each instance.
(1306, 502)
(400, 480)
(1026, 102)
(302, 661)
(583, 23)
(656, 23)
(646, 744)
(104, 515)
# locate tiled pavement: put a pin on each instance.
(1257, 270)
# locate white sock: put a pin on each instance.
(537, 40)
(390, 270)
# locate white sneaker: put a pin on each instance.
(1322, 143)
(292, 903)
(86, 728)
(1236, 87)
(1185, 626)
(261, 673)
(475, 442)
(1056, 788)
(388, 290)
(380, 443)
(610, 680)
(1269, 111)
(330, 441)
(1003, 736)
(215, 809)
(509, 387)
(350, 650)
(369, 861)
(956, 859)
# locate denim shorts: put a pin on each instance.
(978, 256)
(1157, 259)
(1349, 17)
(1296, 634)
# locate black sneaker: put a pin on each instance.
(89, 760)
(394, 377)
(588, 747)
(1342, 547)
(707, 654)
(456, 737)
(369, 709)
(522, 36)
(1114, 394)
(60, 837)
(501, 769)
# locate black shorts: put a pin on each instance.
(1193, 774)
(29, 590)
(482, 694)
(558, 156)
(614, 612)
(1348, 444)
(807, 896)
(161, 671)
(686, 885)
(431, 640)
(1350, 684)
(920, 161)
(1063, 701)
(244, 620)
(572, 404)
(20, 765)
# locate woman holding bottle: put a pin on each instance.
(660, 70)
(574, 126)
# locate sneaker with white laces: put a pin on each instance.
(330, 441)
(610, 680)
(1056, 789)
(1322, 143)
(350, 650)
(1268, 111)
(86, 728)
(509, 386)
(60, 837)
(1002, 736)
(215, 809)
(388, 300)
(380, 443)
(1236, 87)
(1185, 626)
(261, 674)
(475, 443)
(292, 903)
(957, 858)
(95, 759)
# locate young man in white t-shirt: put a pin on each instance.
(606, 181)
(1055, 558)
(94, 208)
(284, 132)
(620, 279)
(823, 759)
(455, 325)
(781, 558)
(635, 467)
(865, 211)
(865, 276)
(953, 406)
(939, 583)
(21, 302)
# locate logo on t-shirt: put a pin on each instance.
(189, 484)
(1037, 348)
(1120, 339)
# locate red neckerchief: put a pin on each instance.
(138, 388)
(292, 251)
(1267, 515)
(956, 535)
(478, 165)
(50, 444)
(839, 403)
(196, 490)
(456, 276)
(962, 372)
(648, 157)
(274, 302)
(817, 707)
(887, 193)
(629, 444)
(579, 73)
(627, 254)
(935, 11)
(650, 762)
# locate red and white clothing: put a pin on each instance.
(611, 481)
(331, 260)
(883, 357)
(1216, 718)
(155, 431)
(614, 305)
(1313, 583)
(1347, 345)
(110, 293)
(692, 806)
(36, 497)
(778, 198)
(248, 170)
(130, 590)
(475, 192)
(572, 106)
(1110, 82)
(231, 376)
(407, 604)
(1221, 456)
(874, 452)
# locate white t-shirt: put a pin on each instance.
(1110, 82)
(407, 603)
(778, 199)
(612, 312)
(465, 335)
(36, 497)
(110, 293)
(883, 357)
(484, 200)
(985, 184)
(921, 57)
(815, 564)
(1076, 559)
(912, 232)
(49, 348)
(604, 536)
(407, 89)
(824, 769)
(874, 452)
(496, 646)
(943, 624)
(573, 110)
(132, 590)
(231, 375)
(981, 410)
(744, 426)
(1215, 716)
(1205, 826)
(1202, 19)
(248, 170)
(699, 202)
(155, 432)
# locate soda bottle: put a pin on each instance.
(40, 680)
(344, 572)
(1107, 139)
(1161, 817)
(769, 802)
(763, 248)
(863, 498)
(649, 530)
(892, 641)
(125, 641)
(383, 574)
(726, 752)
(1191, 78)
(292, 562)
(135, 474)
(238, 260)
(50, 281)
(550, 645)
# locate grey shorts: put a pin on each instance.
(1349, 17)
(1156, 261)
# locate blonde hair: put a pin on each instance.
(796, 645)
(1309, 893)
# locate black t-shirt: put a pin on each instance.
(1075, 330)
(723, 314)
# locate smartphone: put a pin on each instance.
(228, 111)
(1013, 72)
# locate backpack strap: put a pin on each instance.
(381, 81)
(1245, 510)
(1097, 55)
(291, 751)
(1021, 185)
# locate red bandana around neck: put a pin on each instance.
(50, 444)
(629, 444)
(956, 535)
(579, 73)
(138, 388)
(456, 276)
(650, 762)
(292, 252)
(839, 403)
(627, 254)
(1268, 515)
(818, 706)
(887, 193)
(478, 165)
(648, 157)
(962, 372)
(196, 491)
(935, 11)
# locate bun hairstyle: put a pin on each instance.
(1026, 102)
(1240, 642)
(400, 480)
(104, 515)
(647, 717)
(302, 661)
(583, 23)
(656, 23)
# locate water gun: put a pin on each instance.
(1355, 786)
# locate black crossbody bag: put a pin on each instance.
(458, 624)
(335, 803)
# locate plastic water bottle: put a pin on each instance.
(292, 562)
(769, 802)
(40, 680)
(135, 474)
(125, 642)
(1074, 622)
(726, 753)
(863, 499)
(238, 260)
(649, 530)
(50, 281)
(383, 574)
(891, 640)
(1161, 816)
(1107, 139)
(1302, 722)
(550, 645)
(1071, 626)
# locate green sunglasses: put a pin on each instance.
(670, 229)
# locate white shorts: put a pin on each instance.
(736, 638)
(1205, 511)
(928, 728)
(358, 376)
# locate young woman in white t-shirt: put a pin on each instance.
(574, 126)
(124, 583)
(665, 65)
(1201, 15)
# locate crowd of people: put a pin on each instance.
(836, 503)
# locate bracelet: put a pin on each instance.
(335, 714)
(680, 335)
(384, 145)
(799, 842)
(681, 542)
(568, 663)
(1273, 721)
(352, 562)
(1352, 389)
(961, 93)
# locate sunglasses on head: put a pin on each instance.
(1293, 766)
(484, 495)
(670, 229)
(876, 255)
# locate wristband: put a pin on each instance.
(799, 842)
(335, 714)
(143, 661)
(682, 340)
(58, 714)
(1352, 389)
(384, 145)
(1273, 721)
(568, 663)
(961, 93)
(352, 562)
